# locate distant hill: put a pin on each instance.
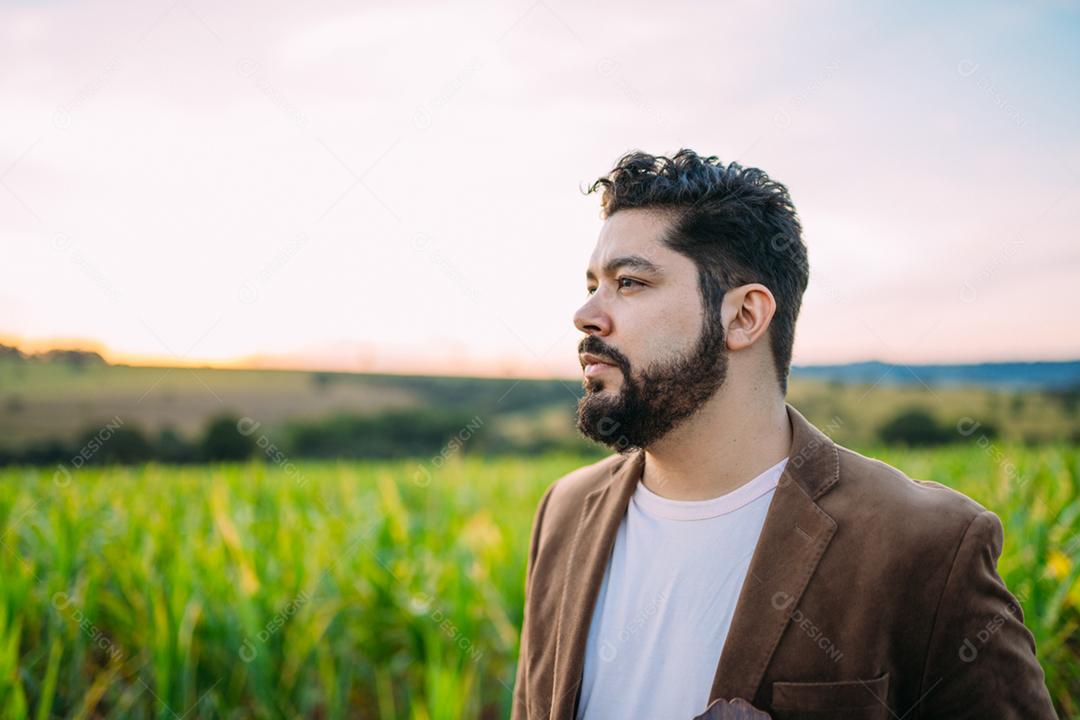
(1003, 375)
(58, 397)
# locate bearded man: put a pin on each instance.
(730, 559)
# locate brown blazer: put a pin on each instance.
(869, 595)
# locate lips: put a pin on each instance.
(590, 359)
(597, 368)
(594, 364)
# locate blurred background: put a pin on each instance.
(286, 348)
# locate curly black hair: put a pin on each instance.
(736, 223)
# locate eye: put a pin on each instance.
(620, 281)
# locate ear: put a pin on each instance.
(746, 312)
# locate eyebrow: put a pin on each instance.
(635, 262)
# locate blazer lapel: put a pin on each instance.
(594, 538)
(793, 539)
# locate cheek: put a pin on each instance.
(658, 332)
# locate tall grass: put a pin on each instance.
(366, 590)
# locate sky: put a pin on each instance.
(398, 187)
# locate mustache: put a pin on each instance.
(598, 347)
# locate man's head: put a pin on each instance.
(696, 260)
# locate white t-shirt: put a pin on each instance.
(667, 599)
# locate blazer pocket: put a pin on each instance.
(848, 699)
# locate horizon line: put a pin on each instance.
(494, 370)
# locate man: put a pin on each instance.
(730, 553)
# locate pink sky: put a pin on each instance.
(397, 187)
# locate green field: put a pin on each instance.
(368, 590)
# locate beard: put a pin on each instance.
(667, 393)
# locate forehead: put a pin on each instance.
(638, 233)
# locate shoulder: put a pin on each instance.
(559, 511)
(570, 490)
(882, 502)
(564, 498)
(923, 545)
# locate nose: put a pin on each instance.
(591, 319)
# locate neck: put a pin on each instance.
(733, 438)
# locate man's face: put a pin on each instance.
(663, 354)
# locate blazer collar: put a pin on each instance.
(793, 539)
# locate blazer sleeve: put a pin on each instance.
(981, 660)
(519, 709)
